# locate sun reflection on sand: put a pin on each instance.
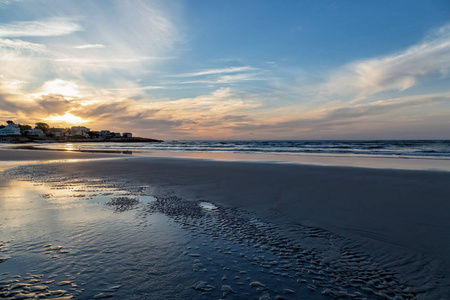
(27, 202)
(53, 223)
(69, 147)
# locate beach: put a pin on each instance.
(92, 225)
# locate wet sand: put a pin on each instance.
(255, 229)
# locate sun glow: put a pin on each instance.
(67, 118)
(61, 87)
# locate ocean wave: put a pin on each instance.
(399, 148)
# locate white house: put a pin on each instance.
(79, 130)
(36, 132)
(57, 132)
(10, 129)
(127, 135)
(105, 133)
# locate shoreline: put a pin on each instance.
(372, 162)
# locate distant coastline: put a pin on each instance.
(42, 133)
(28, 140)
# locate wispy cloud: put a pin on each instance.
(238, 78)
(217, 71)
(221, 79)
(6, 2)
(108, 60)
(399, 71)
(90, 46)
(140, 88)
(22, 45)
(21, 60)
(40, 28)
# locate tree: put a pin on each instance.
(43, 126)
(24, 127)
(9, 122)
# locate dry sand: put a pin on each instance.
(398, 211)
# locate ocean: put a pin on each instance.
(431, 149)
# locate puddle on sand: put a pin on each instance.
(207, 206)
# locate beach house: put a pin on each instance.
(10, 129)
(127, 135)
(79, 131)
(105, 133)
(35, 132)
(57, 132)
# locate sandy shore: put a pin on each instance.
(10, 158)
(399, 211)
(33, 155)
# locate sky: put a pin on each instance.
(235, 69)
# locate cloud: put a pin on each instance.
(59, 87)
(203, 115)
(215, 76)
(6, 2)
(350, 119)
(381, 107)
(22, 45)
(17, 104)
(217, 71)
(9, 100)
(146, 37)
(52, 104)
(21, 61)
(148, 28)
(238, 78)
(226, 79)
(399, 71)
(211, 106)
(90, 46)
(40, 28)
(115, 60)
(139, 88)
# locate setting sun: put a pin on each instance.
(68, 118)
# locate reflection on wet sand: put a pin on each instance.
(60, 240)
(74, 148)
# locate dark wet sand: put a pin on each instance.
(393, 211)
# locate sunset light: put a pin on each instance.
(238, 149)
(67, 118)
(61, 87)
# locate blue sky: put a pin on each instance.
(229, 69)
